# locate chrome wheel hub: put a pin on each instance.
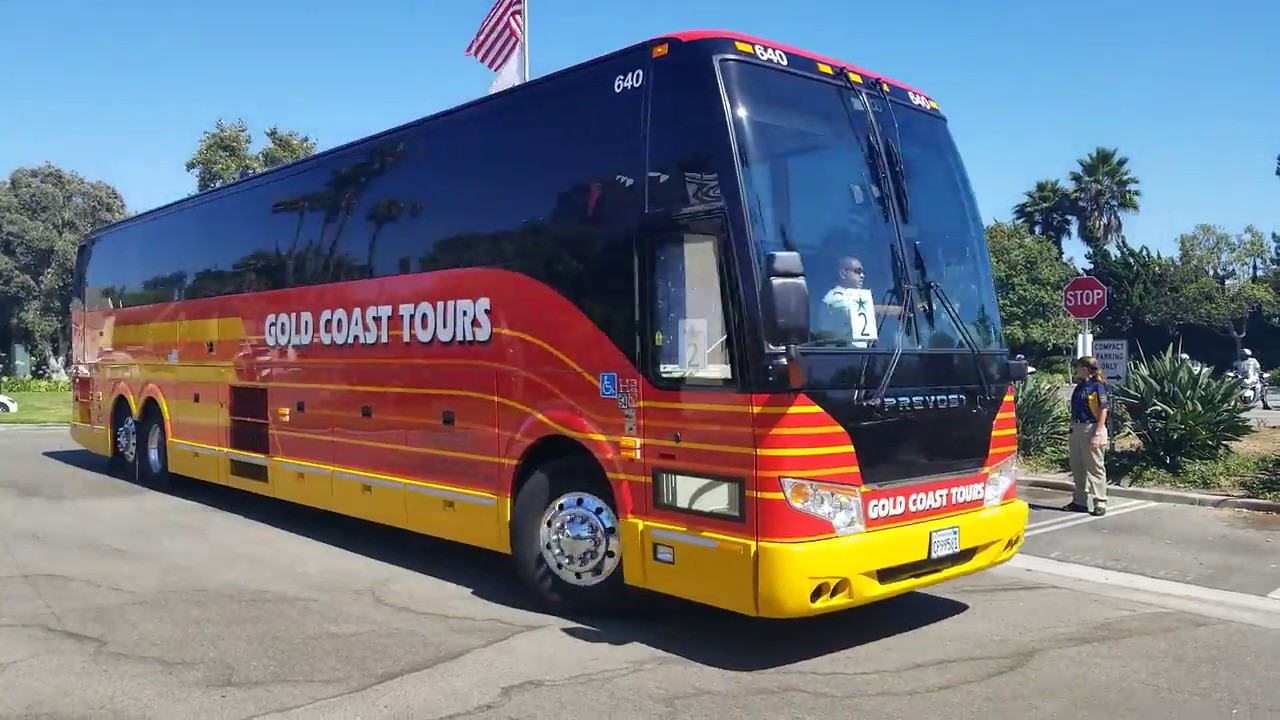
(155, 449)
(580, 539)
(127, 440)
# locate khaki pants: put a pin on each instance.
(1088, 466)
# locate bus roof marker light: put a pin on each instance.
(855, 77)
(744, 47)
(660, 50)
(825, 69)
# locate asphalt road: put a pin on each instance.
(117, 601)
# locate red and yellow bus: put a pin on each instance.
(709, 315)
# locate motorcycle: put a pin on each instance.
(1252, 394)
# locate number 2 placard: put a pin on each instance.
(862, 313)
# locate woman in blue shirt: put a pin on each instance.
(1089, 407)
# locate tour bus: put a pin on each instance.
(708, 316)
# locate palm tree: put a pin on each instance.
(1046, 210)
(1103, 190)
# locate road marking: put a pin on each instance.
(1210, 602)
(1076, 516)
(1128, 508)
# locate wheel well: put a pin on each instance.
(151, 406)
(119, 409)
(556, 446)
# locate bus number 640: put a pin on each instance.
(629, 81)
(771, 55)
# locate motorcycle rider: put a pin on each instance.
(1249, 371)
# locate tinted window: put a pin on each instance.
(812, 185)
(688, 133)
(548, 184)
(547, 181)
(944, 220)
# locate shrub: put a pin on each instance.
(1043, 421)
(1179, 414)
(30, 385)
(1234, 473)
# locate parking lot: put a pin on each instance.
(205, 602)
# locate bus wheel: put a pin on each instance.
(153, 459)
(565, 537)
(124, 454)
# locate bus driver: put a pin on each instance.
(841, 305)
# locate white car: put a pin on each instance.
(8, 404)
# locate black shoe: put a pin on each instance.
(1075, 507)
(1098, 510)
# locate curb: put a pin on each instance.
(1173, 497)
(33, 426)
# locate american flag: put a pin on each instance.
(500, 34)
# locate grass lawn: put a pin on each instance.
(44, 407)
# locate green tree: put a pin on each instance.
(1103, 191)
(44, 211)
(1138, 284)
(225, 153)
(1215, 286)
(1029, 278)
(1046, 211)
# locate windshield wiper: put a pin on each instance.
(884, 181)
(897, 172)
(934, 289)
(907, 296)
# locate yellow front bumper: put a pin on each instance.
(811, 578)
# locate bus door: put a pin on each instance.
(698, 441)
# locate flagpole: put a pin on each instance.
(524, 8)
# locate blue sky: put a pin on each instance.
(121, 91)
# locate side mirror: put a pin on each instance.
(785, 299)
(1018, 370)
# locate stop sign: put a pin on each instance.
(1084, 297)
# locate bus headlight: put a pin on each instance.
(840, 505)
(1002, 477)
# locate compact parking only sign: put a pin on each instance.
(1113, 356)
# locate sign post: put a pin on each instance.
(1113, 357)
(1084, 298)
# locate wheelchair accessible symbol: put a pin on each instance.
(609, 385)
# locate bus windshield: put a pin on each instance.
(813, 183)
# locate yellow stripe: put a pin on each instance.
(342, 469)
(1006, 431)
(821, 430)
(694, 531)
(387, 446)
(813, 473)
(516, 333)
(175, 331)
(757, 409)
(379, 476)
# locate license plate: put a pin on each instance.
(944, 542)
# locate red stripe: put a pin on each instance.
(499, 35)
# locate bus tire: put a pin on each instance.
(153, 450)
(123, 461)
(565, 537)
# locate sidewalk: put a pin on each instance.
(1062, 481)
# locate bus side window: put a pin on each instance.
(690, 332)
